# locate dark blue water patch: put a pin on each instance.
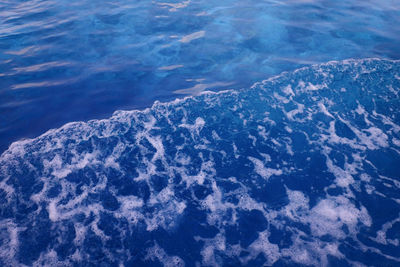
(394, 231)
(68, 234)
(386, 161)
(281, 237)
(365, 257)
(35, 238)
(299, 169)
(201, 192)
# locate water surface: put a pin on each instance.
(63, 61)
(301, 169)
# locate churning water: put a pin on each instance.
(302, 168)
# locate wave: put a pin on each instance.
(301, 168)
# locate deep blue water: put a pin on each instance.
(63, 61)
(300, 168)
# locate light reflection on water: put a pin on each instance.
(64, 61)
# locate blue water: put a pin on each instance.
(300, 169)
(254, 167)
(63, 61)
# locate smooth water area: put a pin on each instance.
(63, 61)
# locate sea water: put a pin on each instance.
(72, 60)
(300, 168)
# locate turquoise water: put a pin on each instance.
(272, 155)
(63, 61)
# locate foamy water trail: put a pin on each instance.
(302, 168)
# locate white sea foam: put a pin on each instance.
(151, 170)
(263, 171)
